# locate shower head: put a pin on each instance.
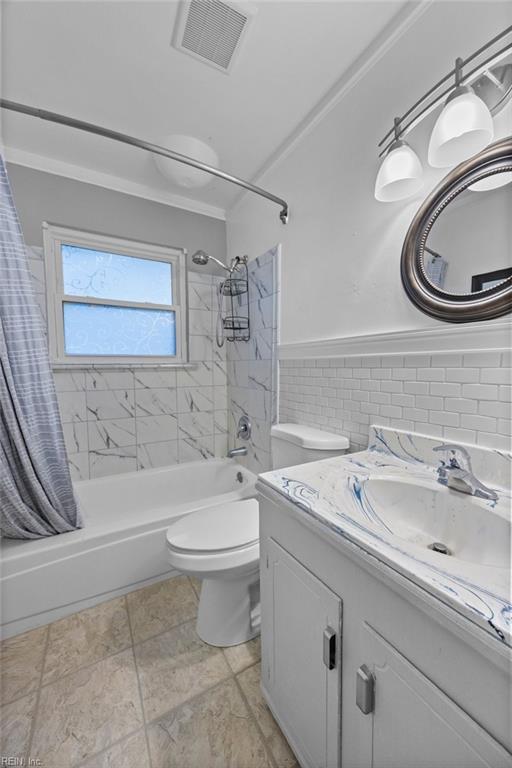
(200, 257)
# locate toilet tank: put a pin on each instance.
(298, 444)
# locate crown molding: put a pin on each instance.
(467, 337)
(108, 181)
(371, 56)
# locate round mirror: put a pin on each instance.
(469, 247)
(457, 255)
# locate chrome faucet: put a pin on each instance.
(242, 451)
(244, 428)
(243, 432)
(461, 478)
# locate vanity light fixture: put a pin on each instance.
(463, 128)
(502, 126)
(401, 173)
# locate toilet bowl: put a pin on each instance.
(220, 544)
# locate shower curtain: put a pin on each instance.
(36, 495)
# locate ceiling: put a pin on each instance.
(112, 63)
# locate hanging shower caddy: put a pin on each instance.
(236, 286)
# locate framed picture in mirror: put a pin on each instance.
(489, 279)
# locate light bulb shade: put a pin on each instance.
(492, 182)
(186, 175)
(463, 128)
(400, 174)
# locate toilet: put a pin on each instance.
(220, 544)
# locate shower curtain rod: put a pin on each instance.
(54, 117)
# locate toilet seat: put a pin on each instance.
(215, 530)
(221, 541)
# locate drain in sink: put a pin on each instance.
(438, 546)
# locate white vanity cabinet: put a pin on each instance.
(301, 669)
(413, 723)
(435, 695)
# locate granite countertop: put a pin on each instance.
(333, 492)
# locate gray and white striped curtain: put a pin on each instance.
(36, 495)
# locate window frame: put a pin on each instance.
(56, 235)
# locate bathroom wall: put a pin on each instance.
(341, 250)
(124, 419)
(252, 366)
(460, 397)
(43, 196)
(131, 418)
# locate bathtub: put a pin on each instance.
(121, 547)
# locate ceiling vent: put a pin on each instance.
(212, 31)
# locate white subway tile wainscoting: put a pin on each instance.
(460, 397)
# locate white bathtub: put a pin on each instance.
(121, 546)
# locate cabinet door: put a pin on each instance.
(415, 723)
(301, 666)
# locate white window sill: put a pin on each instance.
(117, 366)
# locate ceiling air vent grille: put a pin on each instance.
(211, 30)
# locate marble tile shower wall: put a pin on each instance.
(125, 419)
(252, 366)
(460, 397)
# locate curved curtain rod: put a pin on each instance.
(54, 117)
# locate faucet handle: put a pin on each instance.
(244, 428)
(456, 452)
(442, 472)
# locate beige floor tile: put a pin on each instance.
(129, 753)
(21, 661)
(245, 655)
(196, 584)
(15, 724)
(161, 606)
(213, 731)
(175, 666)
(85, 712)
(250, 684)
(86, 637)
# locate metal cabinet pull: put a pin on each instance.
(365, 690)
(329, 648)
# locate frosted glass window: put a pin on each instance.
(102, 275)
(111, 299)
(97, 329)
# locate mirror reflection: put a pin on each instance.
(469, 247)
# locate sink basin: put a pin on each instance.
(467, 526)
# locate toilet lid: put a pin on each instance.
(217, 529)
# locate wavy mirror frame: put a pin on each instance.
(454, 307)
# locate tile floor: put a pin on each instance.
(128, 684)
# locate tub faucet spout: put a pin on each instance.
(234, 452)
